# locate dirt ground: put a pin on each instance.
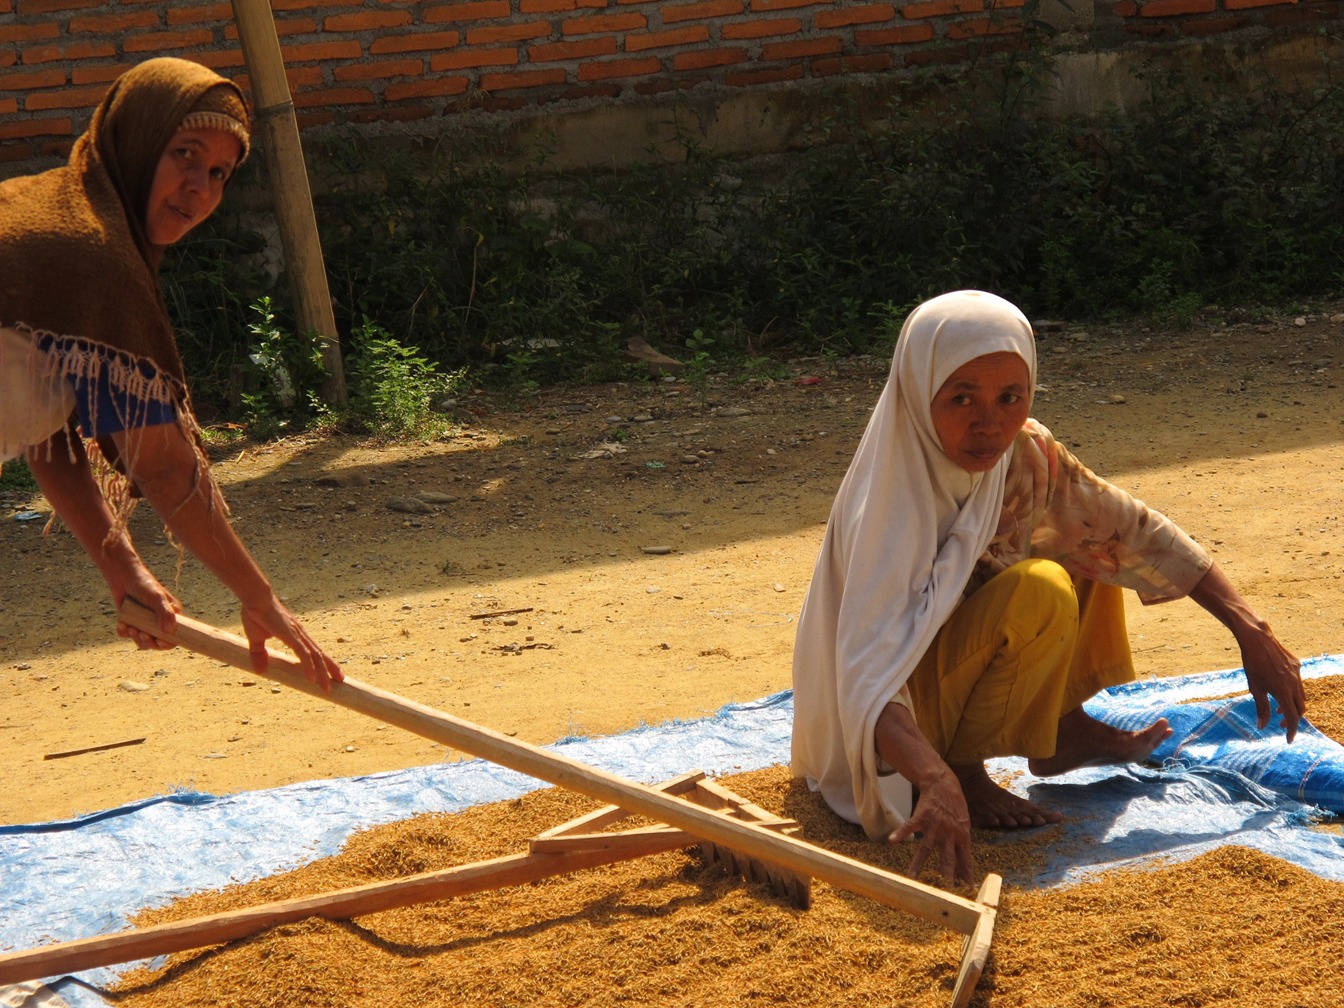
(646, 547)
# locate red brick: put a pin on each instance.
(107, 24)
(283, 29)
(753, 78)
(941, 8)
(1168, 8)
(688, 35)
(702, 10)
(906, 35)
(1125, 9)
(158, 41)
(366, 21)
(29, 33)
(8, 57)
(463, 59)
(872, 63)
(430, 87)
(13, 130)
(70, 51)
(1246, 4)
(702, 59)
(96, 73)
(509, 33)
(761, 28)
(321, 51)
(587, 48)
(195, 15)
(290, 5)
(868, 14)
(801, 48)
(546, 6)
(597, 24)
(612, 69)
(982, 27)
(376, 69)
(54, 77)
(522, 79)
(219, 59)
(65, 98)
(423, 41)
(334, 96)
(770, 5)
(304, 77)
(481, 10)
(48, 6)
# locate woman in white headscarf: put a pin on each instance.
(967, 598)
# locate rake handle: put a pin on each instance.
(931, 904)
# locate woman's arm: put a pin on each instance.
(1271, 670)
(62, 472)
(164, 465)
(940, 822)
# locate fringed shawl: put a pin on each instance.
(75, 262)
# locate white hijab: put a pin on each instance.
(905, 532)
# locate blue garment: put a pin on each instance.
(102, 408)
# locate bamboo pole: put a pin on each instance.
(289, 178)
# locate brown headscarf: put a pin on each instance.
(75, 261)
(74, 258)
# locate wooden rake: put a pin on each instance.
(747, 839)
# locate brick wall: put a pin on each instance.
(393, 60)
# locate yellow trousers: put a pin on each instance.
(1027, 647)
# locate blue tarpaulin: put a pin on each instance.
(1220, 781)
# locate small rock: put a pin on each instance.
(23, 666)
(409, 505)
(1299, 322)
(691, 459)
(349, 748)
(132, 687)
(734, 411)
(656, 550)
(435, 497)
(779, 587)
(1118, 400)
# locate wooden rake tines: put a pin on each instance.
(697, 788)
(725, 831)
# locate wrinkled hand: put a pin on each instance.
(941, 824)
(1273, 671)
(142, 586)
(273, 620)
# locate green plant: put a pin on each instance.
(15, 475)
(393, 387)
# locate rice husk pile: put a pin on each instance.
(1230, 928)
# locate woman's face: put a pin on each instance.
(189, 182)
(980, 409)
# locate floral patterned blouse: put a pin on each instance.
(1055, 508)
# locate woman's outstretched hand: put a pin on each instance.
(272, 619)
(941, 825)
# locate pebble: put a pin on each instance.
(409, 505)
(132, 687)
(656, 550)
(1118, 399)
(435, 497)
(734, 411)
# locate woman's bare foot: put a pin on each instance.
(1085, 741)
(993, 807)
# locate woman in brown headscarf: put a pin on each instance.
(87, 348)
